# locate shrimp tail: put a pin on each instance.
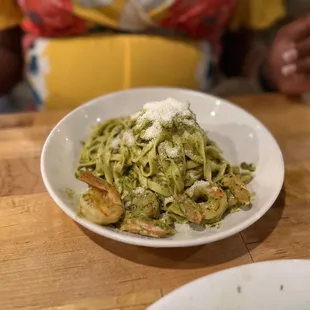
(100, 184)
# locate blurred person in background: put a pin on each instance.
(11, 60)
(75, 50)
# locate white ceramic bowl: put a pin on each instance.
(240, 135)
(276, 285)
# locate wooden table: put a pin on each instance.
(47, 261)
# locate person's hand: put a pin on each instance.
(288, 65)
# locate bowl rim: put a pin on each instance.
(287, 263)
(146, 241)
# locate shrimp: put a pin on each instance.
(185, 207)
(237, 189)
(203, 202)
(209, 198)
(101, 204)
(102, 185)
(146, 227)
(145, 203)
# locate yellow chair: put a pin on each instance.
(72, 71)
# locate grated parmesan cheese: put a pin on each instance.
(197, 185)
(153, 131)
(139, 190)
(190, 122)
(115, 143)
(162, 112)
(128, 138)
(172, 152)
(215, 188)
(183, 229)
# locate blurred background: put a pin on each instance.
(61, 53)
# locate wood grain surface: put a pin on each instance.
(49, 262)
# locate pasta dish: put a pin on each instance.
(156, 168)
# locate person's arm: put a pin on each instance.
(11, 64)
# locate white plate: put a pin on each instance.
(240, 135)
(276, 285)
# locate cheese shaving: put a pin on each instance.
(153, 131)
(139, 190)
(115, 143)
(128, 138)
(197, 185)
(160, 113)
